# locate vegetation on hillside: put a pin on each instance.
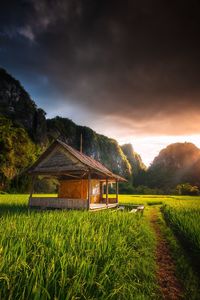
(17, 152)
(187, 189)
(25, 133)
(21, 112)
(177, 163)
(176, 170)
(100, 147)
(17, 105)
(137, 165)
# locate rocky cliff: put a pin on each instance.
(177, 163)
(134, 159)
(100, 147)
(18, 110)
(16, 105)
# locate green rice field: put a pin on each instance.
(184, 219)
(87, 255)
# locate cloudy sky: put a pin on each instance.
(127, 69)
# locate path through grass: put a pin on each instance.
(103, 255)
(170, 285)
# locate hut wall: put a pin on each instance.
(45, 202)
(78, 189)
(73, 189)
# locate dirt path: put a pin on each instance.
(169, 284)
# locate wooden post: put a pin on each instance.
(107, 192)
(32, 189)
(89, 189)
(81, 143)
(101, 192)
(117, 191)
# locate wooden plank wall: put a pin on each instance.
(57, 203)
(73, 189)
(79, 189)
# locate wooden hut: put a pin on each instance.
(83, 181)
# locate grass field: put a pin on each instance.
(74, 255)
(184, 219)
(84, 255)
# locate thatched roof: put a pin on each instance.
(61, 159)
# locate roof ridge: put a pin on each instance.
(85, 156)
(81, 156)
(84, 159)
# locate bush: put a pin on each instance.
(126, 188)
(145, 190)
(187, 189)
(2, 193)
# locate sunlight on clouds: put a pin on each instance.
(147, 146)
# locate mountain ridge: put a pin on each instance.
(18, 110)
(25, 133)
(175, 164)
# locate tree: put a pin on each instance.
(187, 189)
(17, 151)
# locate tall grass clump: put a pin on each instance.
(74, 254)
(184, 219)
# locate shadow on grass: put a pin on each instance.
(153, 203)
(12, 209)
(19, 209)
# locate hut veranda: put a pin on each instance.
(83, 181)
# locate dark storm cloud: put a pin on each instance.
(132, 63)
